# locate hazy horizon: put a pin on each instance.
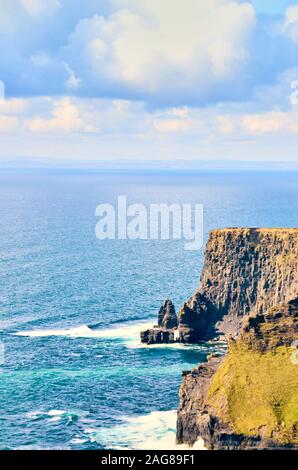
(149, 165)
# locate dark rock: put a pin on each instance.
(278, 327)
(167, 318)
(158, 336)
(196, 418)
(164, 332)
(249, 294)
(246, 272)
(151, 336)
(193, 418)
(194, 319)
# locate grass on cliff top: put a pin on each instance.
(257, 394)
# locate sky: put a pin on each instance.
(148, 80)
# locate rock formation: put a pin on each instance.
(167, 317)
(164, 332)
(249, 293)
(248, 399)
(246, 272)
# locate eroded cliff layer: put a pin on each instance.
(246, 272)
(248, 399)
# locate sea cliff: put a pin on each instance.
(246, 272)
(248, 293)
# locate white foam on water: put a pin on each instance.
(53, 416)
(135, 343)
(56, 412)
(78, 440)
(54, 419)
(154, 431)
(34, 414)
(126, 331)
(80, 331)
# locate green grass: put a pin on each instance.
(257, 393)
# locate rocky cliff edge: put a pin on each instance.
(249, 398)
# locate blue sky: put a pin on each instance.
(272, 6)
(108, 80)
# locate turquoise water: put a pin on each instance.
(74, 374)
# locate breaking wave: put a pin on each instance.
(154, 431)
(128, 333)
(126, 330)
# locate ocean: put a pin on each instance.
(73, 373)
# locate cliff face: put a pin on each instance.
(246, 272)
(248, 291)
(248, 399)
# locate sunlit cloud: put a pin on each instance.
(148, 77)
(271, 122)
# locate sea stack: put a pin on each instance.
(164, 332)
(167, 318)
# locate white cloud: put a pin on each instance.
(13, 106)
(167, 46)
(8, 124)
(225, 124)
(290, 26)
(181, 112)
(38, 7)
(66, 117)
(119, 117)
(121, 128)
(73, 82)
(40, 60)
(271, 122)
(174, 125)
